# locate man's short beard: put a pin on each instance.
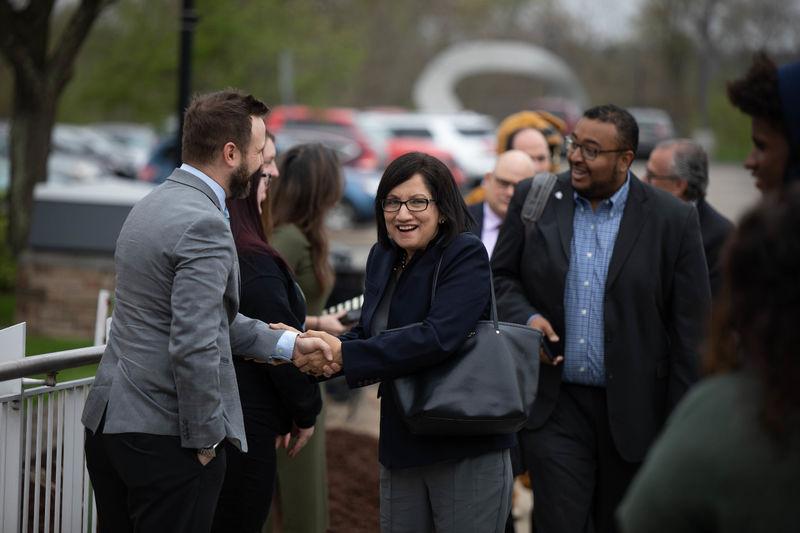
(240, 181)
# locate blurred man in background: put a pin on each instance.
(680, 167)
(517, 132)
(771, 97)
(532, 142)
(511, 168)
(537, 133)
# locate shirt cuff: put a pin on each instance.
(285, 346)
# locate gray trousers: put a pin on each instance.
(463, 496)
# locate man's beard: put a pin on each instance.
(240, 181)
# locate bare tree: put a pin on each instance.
(42, 67)
(687, 36)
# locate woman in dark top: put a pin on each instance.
(276, 400)
(428, 483)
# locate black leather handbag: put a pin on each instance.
(486, 388)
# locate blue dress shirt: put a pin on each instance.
(285, 346)
(593, 236)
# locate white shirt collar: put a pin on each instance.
(216, 187)
(491, 219)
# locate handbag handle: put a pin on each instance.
(495, 321)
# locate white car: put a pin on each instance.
(468, 136)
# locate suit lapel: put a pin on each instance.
(633, 219)
(382, 270)
(564, 205)
(190, 180)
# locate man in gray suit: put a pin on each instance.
(165, 393)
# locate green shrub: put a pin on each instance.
(731, 128)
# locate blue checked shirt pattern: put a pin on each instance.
(593, 236)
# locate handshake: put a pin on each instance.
(315, 352)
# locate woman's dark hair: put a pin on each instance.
(442, 186)
(757, 93)
(248, 233)
(309, 185)
(757, 315)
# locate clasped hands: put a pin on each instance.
(315, 352)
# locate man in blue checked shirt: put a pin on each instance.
(614, 274)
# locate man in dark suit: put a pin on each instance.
(511, 167)
(614, 274)
(680, 167)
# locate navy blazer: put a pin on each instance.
(657, 300)
(476, 210)
(435, 330)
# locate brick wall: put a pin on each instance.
(57, 292)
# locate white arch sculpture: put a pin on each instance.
(435, 88)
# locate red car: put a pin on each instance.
(338, 120)
(395, 147)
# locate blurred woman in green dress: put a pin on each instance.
(310, 185)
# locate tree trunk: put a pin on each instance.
(31, 124)
(39, 79)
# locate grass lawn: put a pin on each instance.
(6, 309)
(36, 344)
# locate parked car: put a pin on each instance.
(468, 136)
(397, 147)
(162, 161)
(655, 125)
(133, 141)
(335, 120)
(88, 143)
(62, 168)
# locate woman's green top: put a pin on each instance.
(290, 242)
(716, 469)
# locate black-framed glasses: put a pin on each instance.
(589, 153)
(392, 205)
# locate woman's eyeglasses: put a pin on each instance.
(392, 205)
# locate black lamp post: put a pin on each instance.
(188, 21)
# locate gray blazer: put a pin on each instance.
(167, 366)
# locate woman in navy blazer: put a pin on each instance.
(428, 483)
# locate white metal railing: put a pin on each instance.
(55, 490)
(44, 485)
